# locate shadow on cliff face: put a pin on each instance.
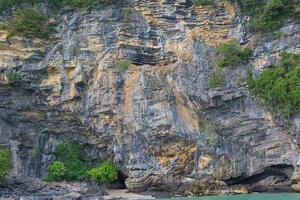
(32, 129)
(275, 178)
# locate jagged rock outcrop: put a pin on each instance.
(158, 120)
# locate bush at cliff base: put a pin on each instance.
(107, 172)
(5, 162)
(74, 159)
(56, 171)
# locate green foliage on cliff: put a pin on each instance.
(78, 3)
(269, 15)
(123, 65)
(12, 76)
(56, 171)
(73, 159)
(127, 13)
(57, 4)
(279, 87)
(231, 54)
(6, 4)
(5, 162)
(28, 23)
(107, 172)
(203, 2)
(216, 80)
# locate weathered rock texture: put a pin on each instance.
(158, 120)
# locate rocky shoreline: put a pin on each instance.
(36, 189)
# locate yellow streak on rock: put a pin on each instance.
(240, 189)
(32, 115)
(189, 117)
(214, 31)
(95, 45)
(70, 76)
(182, 49)
(204, 161)
(53, 80)
(180, 152)
(131, 82)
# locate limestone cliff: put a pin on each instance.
(159, 120)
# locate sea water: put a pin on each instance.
(254, 196)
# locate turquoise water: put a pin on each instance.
(280, 196)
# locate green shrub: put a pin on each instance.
(107, 172)
(279, 87)
(127, 13)
(123, 65)
(6, 4)
(73, 158)
(250, 80)
(5, 162)
(56, 171)
(204, 2)
(12, 76)
(78, 3)
(54, 4)
(28, 23)
(269, 15)
(250, 7)
(201, 124)
(166, 163)
(216, 80)
(231, 54)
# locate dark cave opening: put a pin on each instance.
(121, 181)
(280, 176)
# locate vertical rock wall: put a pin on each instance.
(158, 120)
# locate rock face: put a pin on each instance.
(158, 120)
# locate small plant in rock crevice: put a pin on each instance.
(215, 80)
(204, 2)
(127, 13)
(231, 54)
(166, 163)
(123, 65)
(12, 76)
(5, 162)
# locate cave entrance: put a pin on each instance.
(275, 178)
